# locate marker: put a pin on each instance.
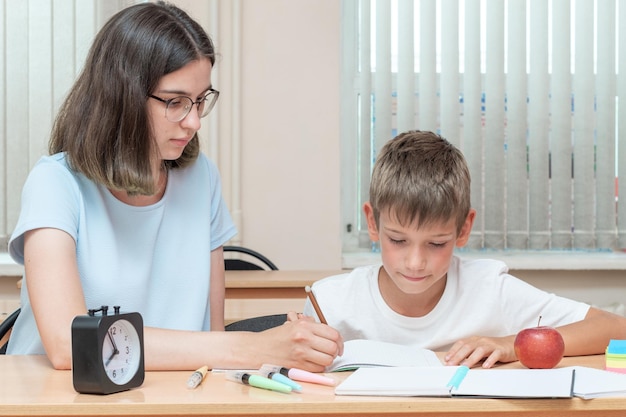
(273, 372)
(458, 376)
(316, 306)
(257, 381)
(301, 375)
(197, 377)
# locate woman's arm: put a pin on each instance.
(54, 289)
(302, 344)
(57, 297)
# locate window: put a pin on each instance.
(528, 90)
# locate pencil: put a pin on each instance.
(316, 306)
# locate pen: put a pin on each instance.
(257, 381)
(300, 375)
(273, 372)
(316, 306)
(196, 378)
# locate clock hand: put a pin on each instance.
(115, 351)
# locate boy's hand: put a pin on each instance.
(473, 350)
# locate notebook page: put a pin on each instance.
(595, 383)
(517, 383)
(434, 382)
(399, 381)
(370, 353)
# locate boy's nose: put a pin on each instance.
(416, 261)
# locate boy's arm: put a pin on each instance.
(591, 335)
(586, 337)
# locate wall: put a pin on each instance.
(290, 131)
(278, 147)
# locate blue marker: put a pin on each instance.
(458, 376)
(257, 381)
(273, 372)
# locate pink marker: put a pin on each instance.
(301, 375)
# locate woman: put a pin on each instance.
(126, 210)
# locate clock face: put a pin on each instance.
(121, 352)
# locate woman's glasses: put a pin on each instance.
(177, 108)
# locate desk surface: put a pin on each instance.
(259, 293)
(30, 387)
(276, 279)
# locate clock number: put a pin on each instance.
(115, 350)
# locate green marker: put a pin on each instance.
(257, 381)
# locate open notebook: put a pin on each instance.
(440, 381)
(371, 353)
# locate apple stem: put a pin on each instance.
(539, 321)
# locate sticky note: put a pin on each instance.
(616, 347)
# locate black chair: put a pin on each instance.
(238, 264)
(258, 263)
(5, 328)
(257, 324)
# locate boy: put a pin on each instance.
(425, 296)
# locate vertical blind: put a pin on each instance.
(43, 47)
(529, 90)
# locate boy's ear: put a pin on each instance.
(372, 229)
(463, 237)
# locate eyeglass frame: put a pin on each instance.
(211, 92)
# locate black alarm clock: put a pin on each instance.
(107, 351)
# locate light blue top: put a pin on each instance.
(154, 259)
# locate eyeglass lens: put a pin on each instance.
(178, 108)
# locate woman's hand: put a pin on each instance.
(302, 343)
(293, 316)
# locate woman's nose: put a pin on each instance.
(192, 120)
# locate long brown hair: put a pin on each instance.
(103, 124)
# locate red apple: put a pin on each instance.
(539, 347)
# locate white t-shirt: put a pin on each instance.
(480, 299)
(153, 259)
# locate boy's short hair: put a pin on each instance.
(421, 177)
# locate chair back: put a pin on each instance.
(5, 330)
(257, 324)
(253, 260)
